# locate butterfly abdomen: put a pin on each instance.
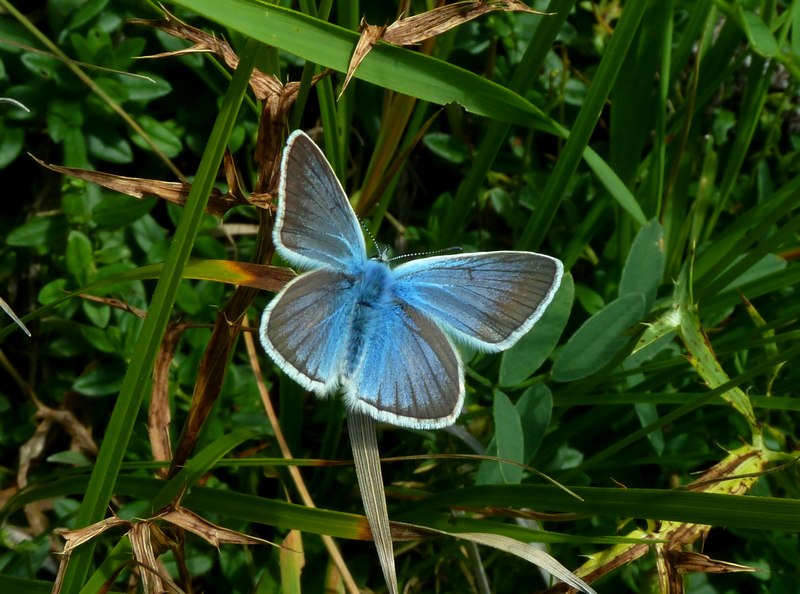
(375, 297)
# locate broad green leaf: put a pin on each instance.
(53, 291)
(508, 444)
(140, 88)
(119, 210)
(109, 147)
(12, 140)
(38, 231)
(535, 408)
(165, 136)
(645, 263)
(600, 337)
(103, 380)
(758, 33)
(86, 11)
(100, 339)
(523, 359)
(80, 262)
(98, 313)
(447, 147)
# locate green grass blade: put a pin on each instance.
(581, 132)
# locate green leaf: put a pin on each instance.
(163, 134)
(63, 117)
(520, 361)
(447, 147)
(118, 211)
(758, 33)
(102, 339)
(86, 11)
(535, 408)
(11, 142)
(645, 263)
(145, 89)
(508, 444)
(38, 231)
(600, 337)
(109, 146)
(53, 291)
(80, 263)
(98, 313)
(103, 380)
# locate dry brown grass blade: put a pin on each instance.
(141, 539)
(369, 35)
(175, 192)
(691, 562)
(418, 28)
(208, 531)
(75, 538)
(159, 416)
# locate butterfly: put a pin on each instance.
(384, 336)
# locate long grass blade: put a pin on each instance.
(370, 481)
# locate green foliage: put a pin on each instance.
(652, 146)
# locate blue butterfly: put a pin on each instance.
(378, 333)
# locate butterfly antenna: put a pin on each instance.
(450, 250)
(380, 251)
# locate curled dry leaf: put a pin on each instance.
(263, 85)
(418, 28)
(149, 542)
(175, 192)
(691, 562)
(208, 531)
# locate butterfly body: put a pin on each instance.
(374, 302)
(380, 334)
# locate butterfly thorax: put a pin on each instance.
(376, 284)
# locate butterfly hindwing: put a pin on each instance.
(315, 224)
(488, 299)
(409, 374)
(306, 328)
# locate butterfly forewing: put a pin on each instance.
(487, 299)
(409, 375)
(315, 225)
(306, 328)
